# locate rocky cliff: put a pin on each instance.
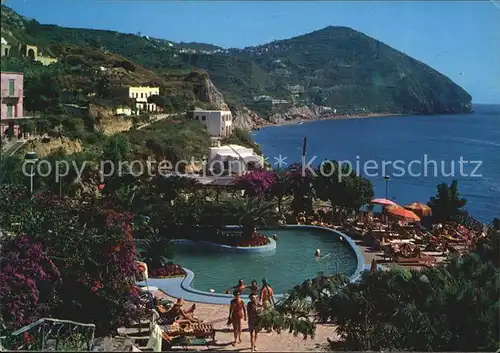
(246, 119)
(205, 91)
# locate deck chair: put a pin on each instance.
(188, 341)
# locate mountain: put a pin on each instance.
(336, 69)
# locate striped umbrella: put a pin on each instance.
(420, 209)
(403, 213)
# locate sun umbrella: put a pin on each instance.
(383, 202)
(400, 212)
(420, 209)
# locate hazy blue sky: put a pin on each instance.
(458, 38)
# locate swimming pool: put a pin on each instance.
(291, 263)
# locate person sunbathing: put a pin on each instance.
(176, 313)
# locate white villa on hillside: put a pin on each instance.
(232, 158)
(218, 122)
(140, 94)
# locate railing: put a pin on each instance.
(50, 335)
(7, 93)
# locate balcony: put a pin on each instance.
(11, 95)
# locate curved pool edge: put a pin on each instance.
(248, 249)
(360, 267)
(181, 287)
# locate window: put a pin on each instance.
(10, 111)
(203, 117)
(142, 95)
(197, 117)
(11, 87)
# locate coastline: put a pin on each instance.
(338, 117)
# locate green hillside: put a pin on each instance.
(336, 67)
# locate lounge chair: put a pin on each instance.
(184, 341)
(424, 260)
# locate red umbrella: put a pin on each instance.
(383, 202)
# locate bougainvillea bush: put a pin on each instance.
(98, 279)
(28, 282)
(258, 182)
(91, 245)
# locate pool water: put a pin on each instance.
(290, 264)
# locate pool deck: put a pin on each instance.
(267, 342)
(181, 287)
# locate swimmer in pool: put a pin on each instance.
(318, 254)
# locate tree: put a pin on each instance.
(249, 213)
(447, 204)
(340, 185)
(160, 101)
(281, 190)
(156, 249)
(402, 309)
(301, 187)
(116, 149)
(488, 246)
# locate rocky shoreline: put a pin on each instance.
(249, 120)
(336, 117)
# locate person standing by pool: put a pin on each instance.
(237, 313)
(254, 309)
(266, 296)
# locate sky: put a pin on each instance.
(461, 39)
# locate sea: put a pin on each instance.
(415, 152)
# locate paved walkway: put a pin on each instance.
(266, 342)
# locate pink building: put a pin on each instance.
(12, 101)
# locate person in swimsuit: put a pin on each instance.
(254, 309)
(237, 313)
(240, 286)
(254, 288)
(266, 295)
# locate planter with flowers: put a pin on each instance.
(170, 270)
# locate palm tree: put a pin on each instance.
(301, 187)
(249, 213)
(281, 189)
(156, 250)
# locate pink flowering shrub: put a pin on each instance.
(258, 182)
(28, 282)
(99, 283)
(89, 243)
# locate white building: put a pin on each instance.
(141, 94)
(218, 122)
(235, 159)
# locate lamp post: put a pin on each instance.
(387, 178)
(31, 158)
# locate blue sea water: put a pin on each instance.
(438, 141)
